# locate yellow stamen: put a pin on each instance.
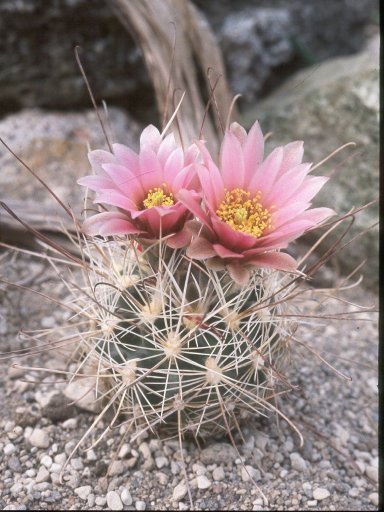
(158, 197)
(244, 213)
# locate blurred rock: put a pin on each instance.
(55, 146)
(82, 393)
(38, 63)
(328, 106)
(261, 45)
(264, 43)
(255, 41)
(57, 409)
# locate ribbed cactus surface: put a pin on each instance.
(179, 345)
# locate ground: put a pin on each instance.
(336, 469)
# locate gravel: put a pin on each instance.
(203, 482)
(39, 438)
(179, 492)
(113, 501)
(321, 494)
(335, 469)
(297, 462)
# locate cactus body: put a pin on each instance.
(181, 346)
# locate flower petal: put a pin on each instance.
(150, 138)
(108, 223)
(200, 249)
(239, 132)
(266, 173)
(115, 198)
(275, 260)
(253, 151)
(192, 202)
(126, 181)
(167, 146)
(317, 215)
(239, 273)
(215, 264)
(180, 239)
(212, 184)
(231, 162)
(95, 182)
(98, 158)
(173, 165)
(127, 157)
(185, 178)
(287, 185)
(223, 252)
(293, 155)
(310, 187)
(230, 238)
(151, 173)
(191, 154)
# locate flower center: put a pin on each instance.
(158, 197)
(244, 213)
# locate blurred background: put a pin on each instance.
(263, 43)
(307, 70)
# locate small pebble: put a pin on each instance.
(297, 462)
(360, 464)
(321, 494)
(179, 492)
(55, 468)
(161, 462)
(163, 478)
(39, 438)
(14, 465)
(374, 498)
(145, 450)
(70, 423)
(203, 482)
(354, 492)
(140, 505)
(218, 474)
(46, 461)
(9, 449)
(116, 468)
(114, 501)
(100, 501)
(77, 464)
(84, 491)
(91, 455)
(60, 458)
(218, 453)
(249, 472)
(199, 469)
(42, 475)
(126, 497)
(124, 451)
(372, 473)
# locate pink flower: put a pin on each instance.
(143, 187)
(251, 208)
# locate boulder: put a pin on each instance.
(54, 145)
(327, 106)
(261, 44)
(38, 61)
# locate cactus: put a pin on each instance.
(186, 292)
(187, 308)
(180, 346)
